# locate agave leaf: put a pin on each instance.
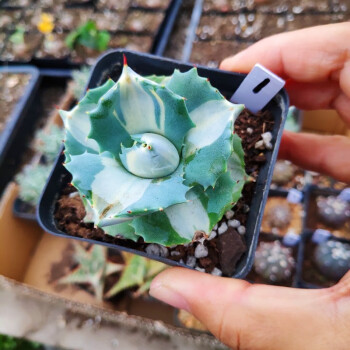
(123, 229)
(93, 268)
(159, 79)
(209, 144)
(202, 211)
(77, 122)
(126, 195)
(133, 275)
(136, 105)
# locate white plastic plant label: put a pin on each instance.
(258, 88)
(345, 195)
(291, 239)
(294, 196)
(320, 236)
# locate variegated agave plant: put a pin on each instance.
(155, 157)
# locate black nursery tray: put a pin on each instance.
(35, 117)
(10, 138)
(110, 65)
(158, 39)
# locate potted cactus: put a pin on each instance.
(168, 144)
(322, 263)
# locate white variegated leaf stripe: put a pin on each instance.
(155, 158)
(136, 105)
(77, 122)
(126, 195)
(208, 146)
(178, 223)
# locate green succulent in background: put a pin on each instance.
(80, 79)
(17, 37)
(138, 272)
(93, 268)
(31, 181)
(155, 157)
(88, 35)
(11, 343)
(48, 142)
(293, 120)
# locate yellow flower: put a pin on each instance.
(46, 24)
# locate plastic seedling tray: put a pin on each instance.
(111, 65)
(10, 138)
(311, 192)
(49, 78)
(159, 43)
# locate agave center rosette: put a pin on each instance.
(155, 157)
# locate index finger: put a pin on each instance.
(309, 55)
(315, 61)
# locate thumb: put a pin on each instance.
(247, 316)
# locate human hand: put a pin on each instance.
(316, 64)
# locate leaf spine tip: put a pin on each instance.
(129, 211)
(161, 209)
(56, 106)
(145, 209)
(125, 62)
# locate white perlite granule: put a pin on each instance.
(223, 228)
(201, 251)
(229, 214)
(216, 272)
(234, 223)
(241, 230)
(156, 249)
(191, 261)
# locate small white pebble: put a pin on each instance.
(267, 137)
(191, 261)
(212, 235)
(158, 250)
(260, 145)
(201, 251)
(234, 223)
(249, 131)
(229, 214)
(223, 228)
(215, 227)
(181, 261)
(200, 269)
(216, 272)
(174, 253)
(241, 230)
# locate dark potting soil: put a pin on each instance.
(310, 272)
(224, 250)
(255, 278)
(12, 87)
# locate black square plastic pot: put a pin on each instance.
(11, 138)
(48, 78)
(111, 65)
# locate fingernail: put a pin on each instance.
(168, 295)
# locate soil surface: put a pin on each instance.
(226, 248)
(12, 87)
(255, 278)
